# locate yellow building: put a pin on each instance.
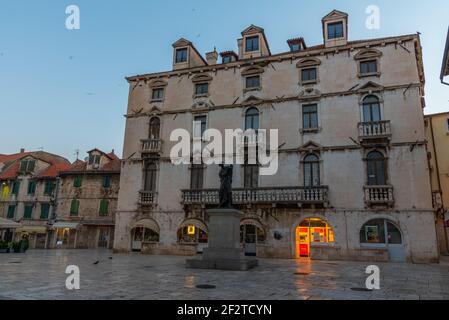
(437, 132)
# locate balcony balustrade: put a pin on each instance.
(379, 195)
(151, 146)
(147, 198)
(374, 130)
(282, 195)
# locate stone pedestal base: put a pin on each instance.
(224, 251)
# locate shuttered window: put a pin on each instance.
(11, 211)
(74, 207)
(77, 182)
(28, 212)
(104, 207)
(45, 210)
(106, 181)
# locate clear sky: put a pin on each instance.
(62, 90)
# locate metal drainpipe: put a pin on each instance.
(439, 180)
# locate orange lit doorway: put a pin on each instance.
(313, 230)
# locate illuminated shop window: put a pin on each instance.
(192, 234)
(318, 230)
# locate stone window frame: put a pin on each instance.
(309, 63)
(366, 55)
(157, 172)
(100, 214)
(344, 27)
(175, 53)
(252, 71)
(200, 79)
(303, 130)
(381, 104)
(385, 155)
(155, 85)
(253, 35)
(302, 162)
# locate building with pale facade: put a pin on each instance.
(353, 178)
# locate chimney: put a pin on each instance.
(212, 57)
(22, 150)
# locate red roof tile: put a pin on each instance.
(53, 170)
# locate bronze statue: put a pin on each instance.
(225, 194)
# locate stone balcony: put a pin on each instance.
(284, 195)
(374, 131)
(147, 198)
(148, 146)
(379, 195)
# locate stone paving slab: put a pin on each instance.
(40, 274)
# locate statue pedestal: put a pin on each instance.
(224, 251)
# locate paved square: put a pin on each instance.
(41, 275)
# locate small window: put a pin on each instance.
(106, 181)
(49, 188)
(27, 166)
(335, 30)
(252, 82)
(28, 211)
(226, 59)
(158, 94)
(295, 47)
(94, 159)
(15, 187)
(104, 207)
(201, 88)
(181, 55)
(11, 212)
(196, 177)
(368, 67)
(31, 187)
(310, 116)
(308, 75)
(77, 182)
(252, 44)
(45, 210)
(74, 206)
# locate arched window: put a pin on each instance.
(311, 171)
(150, 176)
(155, 128)
(371, 109)
(376, 169)
(380, 231)
(252, 119)
(192, 234)
(318, 230)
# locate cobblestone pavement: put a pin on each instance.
(41, 275)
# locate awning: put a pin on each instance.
(149, 224)
(195, 222)
(8, 224)
(32, 229)
(65, 225)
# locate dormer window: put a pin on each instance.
(201, 89)
(295, 47)
(181, 55)
(157, 94)
(226, 59)
(335, 30)
(27, 165)
(252, 44)
(94, 160)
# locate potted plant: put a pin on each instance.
(4, 247)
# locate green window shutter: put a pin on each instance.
(28, 212)
(74, 207)
(16, 187)
(45, 210)
(104, 207)
(31, 187)
(11, 211)
(23, 166)
(77, 182)
(106, 181)
(31, 165)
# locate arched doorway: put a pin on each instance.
(312, 231)
(251, 234)
(144, 231)
(193, 231)
(382, 233)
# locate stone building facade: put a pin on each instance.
(86, 203)
(353, 178)
(28, 188)
(437, 134)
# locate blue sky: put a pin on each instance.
(64, 90)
